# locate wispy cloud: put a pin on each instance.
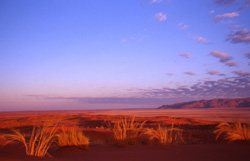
(247, 55)
(247, 3)
(231, 64)
(230, 87)
(225, 2)
(213, 73)
(156, 1)
(236, 26)
(170, 74)
(160, 17)
(201, 40)
(182, 26)
(211, 12)
(229, 15)
(241, 73)
(242, 36)
(225, 22)
(103, 100)
(186, 55)
(222, 56)
(190, 73)
(123, 40)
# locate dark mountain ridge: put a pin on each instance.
(214, 103)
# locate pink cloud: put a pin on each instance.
(230, 15)
(231, 64)
(182, 26)
(186, 55)
(160, 17)
(247, 55)
(170, 74)
(154, 1)
(222, 56)
(211, 12)
(247, 3)
(226, 22)
(240, 72)
(225, 2)
(123, 40)
(236, 26)
(190, 73)
(242, 36)
(201, 40)
(213, 73)
(228, 87)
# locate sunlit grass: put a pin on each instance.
(126, 131)
(38, 142)
(72, 137)
(165, 135)
(233, 132)
(2, 137)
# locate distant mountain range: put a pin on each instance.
(214, 103)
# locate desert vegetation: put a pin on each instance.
(72, 136)
(165, 135)
(127, 131)
(88, 131)
(233, 131)
(38, 143)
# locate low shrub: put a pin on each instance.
(165, 135)
(38, 143)
(72, 137)
(233, 132)
(127, 131)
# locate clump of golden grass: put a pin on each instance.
(38, 143)
(126, 131)
(164, 135)
(2, 137)
(233, 132)
(72, 137)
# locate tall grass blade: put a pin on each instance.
(164, 135)
(233, 132)
(72, 137)
(39, 142)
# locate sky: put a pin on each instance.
(96, 54)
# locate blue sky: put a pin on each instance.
(60, 54)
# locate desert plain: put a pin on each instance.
(198, 140)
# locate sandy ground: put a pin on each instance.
(200, 132)
(204, 114)
(195, 152)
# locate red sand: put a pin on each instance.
(197, 152)
(204, 114)
(195, 130)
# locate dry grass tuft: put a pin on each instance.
(2, 137)
(126, 131)
(233, 132)
(72, 137)
(38, 143)
(164, 135)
